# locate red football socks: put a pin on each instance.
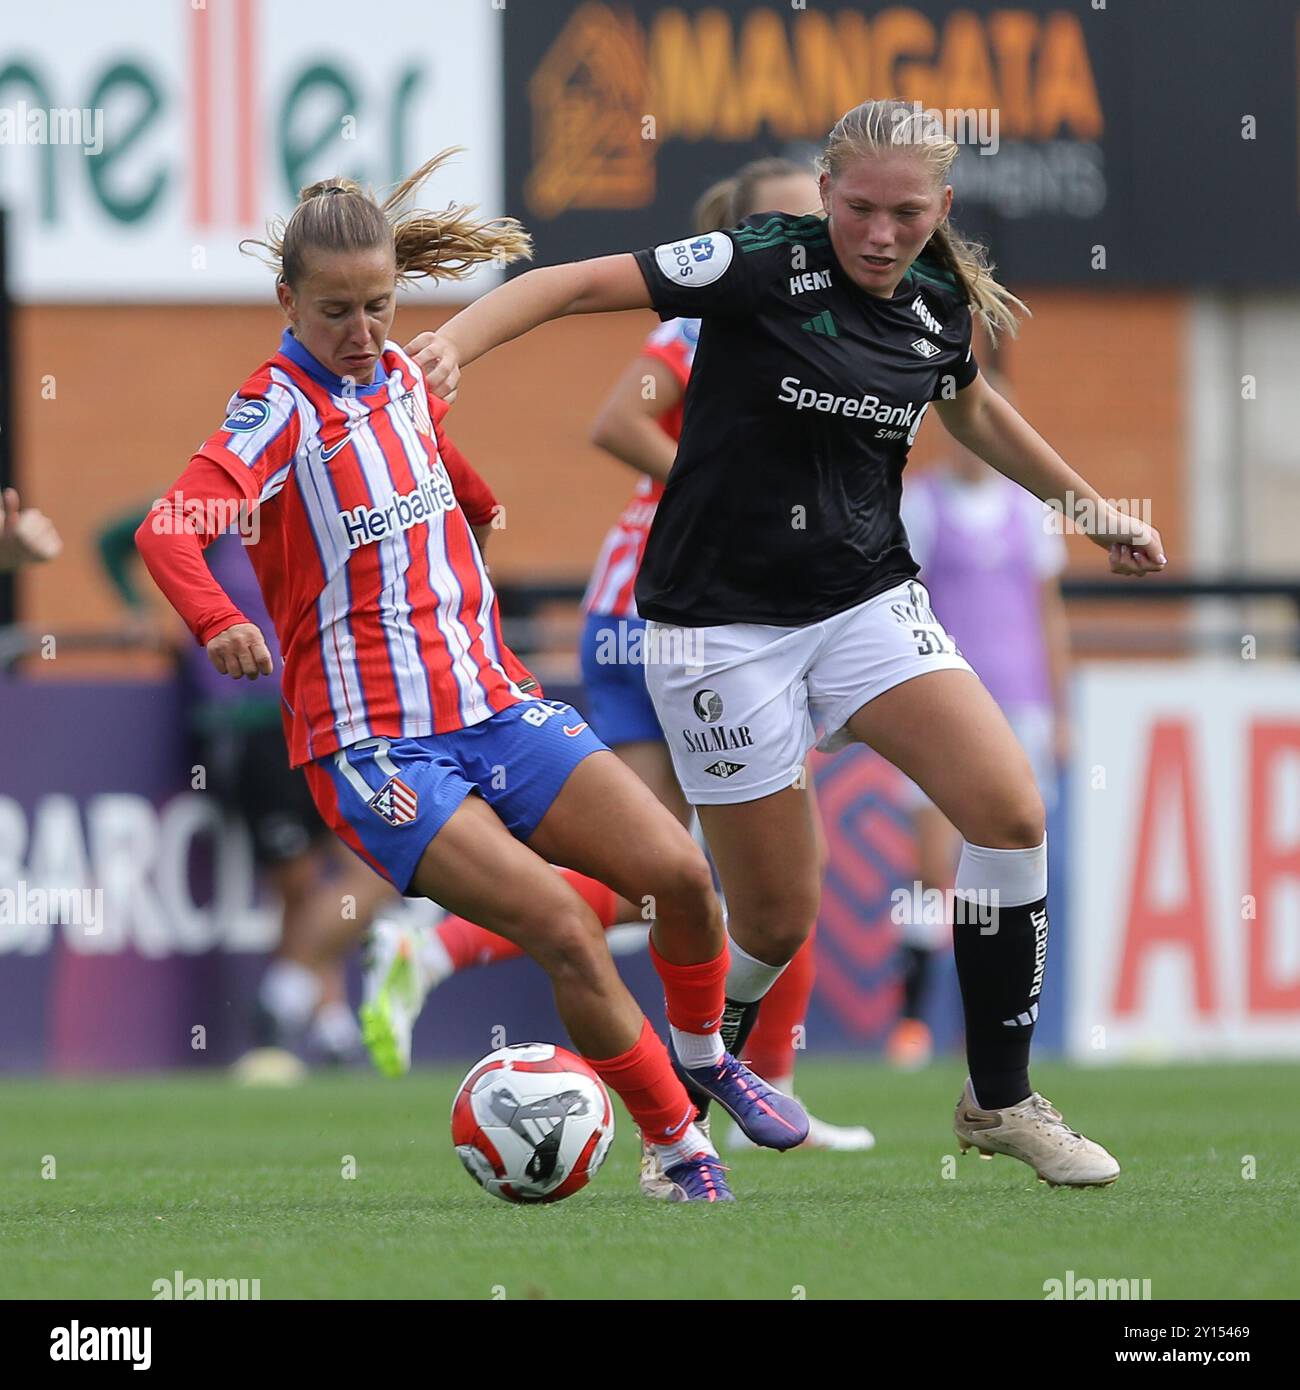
(644, 1079)
(695, 994)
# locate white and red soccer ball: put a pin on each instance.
(532, 1123)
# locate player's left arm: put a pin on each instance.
(990, 426)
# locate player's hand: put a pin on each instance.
(26, 537)
(436, 358)
(241, 651)
(1142, 553)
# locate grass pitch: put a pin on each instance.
(193, 1174)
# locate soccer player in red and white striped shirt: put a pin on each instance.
(422, 740)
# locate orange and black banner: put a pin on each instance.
(1153, 139)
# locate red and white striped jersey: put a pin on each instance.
(609, 591)
(386, 618)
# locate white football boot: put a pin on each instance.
(653, 1181)
(1035, 1133)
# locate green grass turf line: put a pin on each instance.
(192, 1173)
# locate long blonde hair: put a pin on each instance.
(338, 215)
(882, 127)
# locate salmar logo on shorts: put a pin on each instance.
(724, 769)
(708, 706)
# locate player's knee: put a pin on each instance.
(683, 884)
(1019, 822)
(779, 923)
(569, 944)
(783, 943)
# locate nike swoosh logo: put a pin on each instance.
(329, 453)
(575, 731)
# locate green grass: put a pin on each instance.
(193, 1174)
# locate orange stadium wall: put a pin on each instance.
(111, 401)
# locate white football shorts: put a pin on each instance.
(742, 704)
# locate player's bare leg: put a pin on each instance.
(786, 1004)
(766, 852)
(945, 732)
(477, 868)
(653, 764)
(645, 855)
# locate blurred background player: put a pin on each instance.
(991, 558)
(27, 536)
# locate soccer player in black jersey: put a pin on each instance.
(783, 604)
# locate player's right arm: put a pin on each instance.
(605, 284)
(238, 468)
(689, 278)
(171, 541)
(627, 424)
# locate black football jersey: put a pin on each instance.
(805, 396)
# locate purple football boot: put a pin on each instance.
(701, 1178)
(765, 1116)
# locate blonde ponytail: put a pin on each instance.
(336, 214)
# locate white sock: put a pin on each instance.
(697, 1049)
(335, 1028)
(289, 992)
(747, 978)
(691, 1143)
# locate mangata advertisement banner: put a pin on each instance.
(1101, 143)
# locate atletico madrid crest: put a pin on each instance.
(417, 407)
(397, 803)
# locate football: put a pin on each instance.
(532, 1123)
